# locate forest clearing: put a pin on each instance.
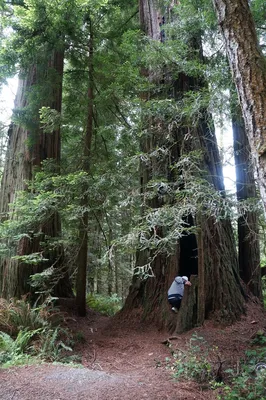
(133, 199)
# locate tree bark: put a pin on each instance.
(27, 148)
(201, 275)
(248, 66)
(248, 229)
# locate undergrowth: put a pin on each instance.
(29, 333)
(106, 305)
(204, 365)
(193, 363)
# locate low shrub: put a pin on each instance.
(193, 363)
(248, 382)
(106, 305)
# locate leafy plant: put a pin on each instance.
(260, 338)
(249, 383)
(31, 332)
(193, 364)
(51, 345)
(18, 314)
(107, 305)
(13, 351)
(245, 386)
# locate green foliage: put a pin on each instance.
(50, 119)
(51, 344)
(28, 332)
(161, 227)
(79, 337)
(193, 364)
(45, 281)
(245, 387)
(195, 368)
(18, 314)
(263, 280)
(260, 338)
(12, 352)
(258, 9)
(106, 305)
(248, 384)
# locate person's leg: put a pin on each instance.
(175, 303)
(178, 303)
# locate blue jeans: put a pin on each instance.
(175, 300)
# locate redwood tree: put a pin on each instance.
(248, 66)
(248, 229)
(211, 252)
(29, 145)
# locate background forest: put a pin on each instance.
(111, 172)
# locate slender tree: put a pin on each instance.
(82, 257)
(95, 107)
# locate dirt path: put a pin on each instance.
(121, 361)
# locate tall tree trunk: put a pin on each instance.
(82, 258)
(27, 148)
(116, 278)
(219, 282)
(248, 66)
(111, 271)
(248, 230)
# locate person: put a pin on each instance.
(176, 292)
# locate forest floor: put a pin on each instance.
(126, 360)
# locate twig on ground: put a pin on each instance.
(193, 390)
(128, 362)
(237, 367)
(94, 356)
(98, 366)
(168, 340)
(115, 367)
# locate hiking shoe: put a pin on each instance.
(175, 310)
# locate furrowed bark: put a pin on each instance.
(248, 66)
(27, 148)
(248, 228)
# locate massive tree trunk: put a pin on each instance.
(248, 229)
(248, 66)
(212, 251)
(27, 148)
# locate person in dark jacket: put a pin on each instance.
(176, 291)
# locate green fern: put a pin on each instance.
(6, 343)
(17, 315)
(30, 332)
(51, 346)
